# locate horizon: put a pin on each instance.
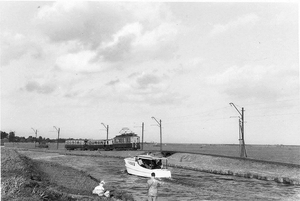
(83, 66)
(153, 142)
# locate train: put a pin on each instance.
(125, 141)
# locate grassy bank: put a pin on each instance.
(237, 167)
(26, 179)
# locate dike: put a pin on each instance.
(252, 169)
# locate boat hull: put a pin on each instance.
(133, 168)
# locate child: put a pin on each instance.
(99, 190)
(152, 187)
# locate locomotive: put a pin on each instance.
(125, 141)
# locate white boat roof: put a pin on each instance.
(149, 157)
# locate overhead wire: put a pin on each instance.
(274, 101)
(273, 115)
(198, 115)
(209, 116)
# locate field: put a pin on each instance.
(277, 153)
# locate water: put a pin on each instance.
(184, 184)
(194, 185)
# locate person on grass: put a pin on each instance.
(99, 190)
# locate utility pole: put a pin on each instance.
(106, 127)
(58, 131)
(142, 147)
(160, 130)
(143, 136)
(35, 132)
(241, 132)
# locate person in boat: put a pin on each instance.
(159, 164)
(153, 184)
(141, 163)
(100, 190)
(144, 164)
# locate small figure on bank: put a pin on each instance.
(152, 187)
(99, 190)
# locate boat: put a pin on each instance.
(144, 165)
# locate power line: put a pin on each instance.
(273, 102)
(274, 107)
(199, 113)
(274, 115)
(201, 119)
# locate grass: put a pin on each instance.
(26, 179)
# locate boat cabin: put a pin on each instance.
(151, 162)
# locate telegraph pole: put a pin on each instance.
(142, 147)
(58, 131)
(241, 132)
(160, 130)
(35, 132)
(143, 136)
(106, 127)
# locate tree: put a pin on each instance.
(30, 139)
(11, 136)
(3, 135)
(22, 139)
(40, 139)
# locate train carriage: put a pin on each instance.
(95, 144)
(76, 144)
(126, 141)
(108, 144)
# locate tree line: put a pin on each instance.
(11, 136)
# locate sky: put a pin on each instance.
(80, 66)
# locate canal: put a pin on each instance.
(184, 184)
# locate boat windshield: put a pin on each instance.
(152, 163)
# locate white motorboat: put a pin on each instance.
(144, 165)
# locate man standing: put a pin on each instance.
(152, 187)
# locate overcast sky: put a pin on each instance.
(75, 65)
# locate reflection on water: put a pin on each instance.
(194, 185)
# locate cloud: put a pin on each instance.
(144, 88)
(87, 22)
(113, 82)
(256, 82)
(153, 89)
(146, 80)
(241, 21)
(14, 46)
(33, 86)
(165, 98)
(113, 31)
(79, 62)
(117, 51)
